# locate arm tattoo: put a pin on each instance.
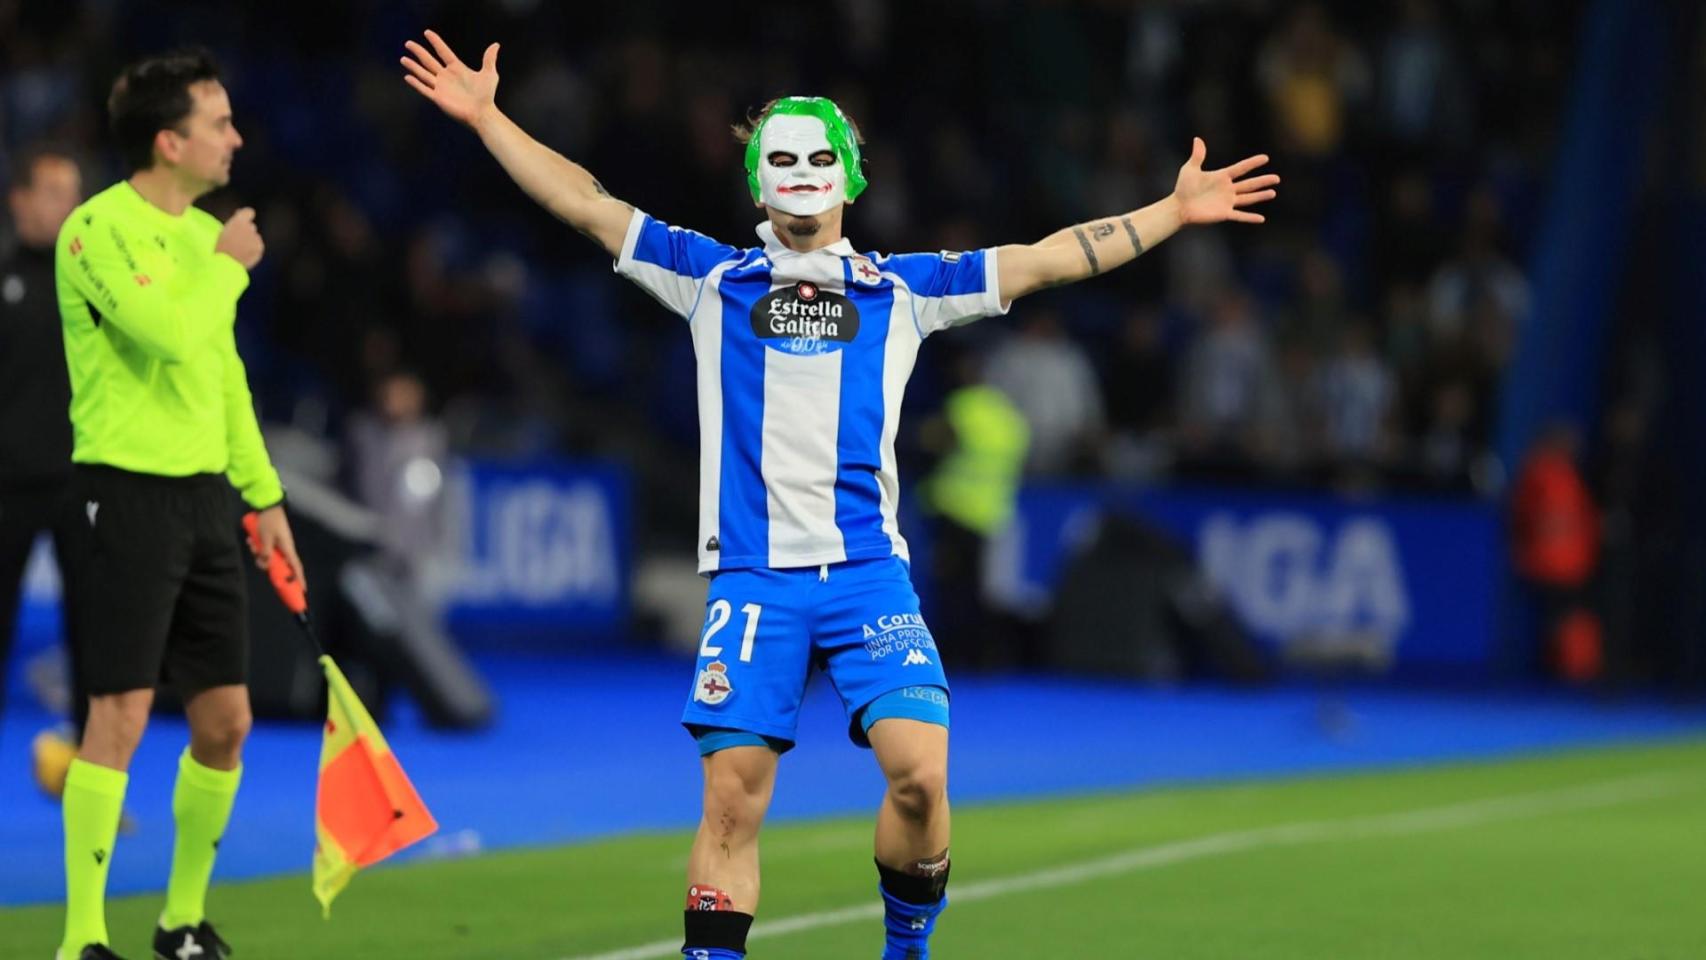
(1089, 251)
(1102, 231)
(599, 187)
(1131, 234)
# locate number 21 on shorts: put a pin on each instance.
(721, 611)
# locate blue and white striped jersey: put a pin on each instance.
(802, 360)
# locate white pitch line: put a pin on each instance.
(1450, 816)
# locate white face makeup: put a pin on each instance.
(791, 174)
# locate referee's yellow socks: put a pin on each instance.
(201, 804)
(94, 800)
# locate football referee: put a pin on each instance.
(163, 428)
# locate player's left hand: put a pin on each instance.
(1211, 196)
(272, 530)
(462, 92)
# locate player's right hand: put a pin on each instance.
(241, 239)
(438, 75)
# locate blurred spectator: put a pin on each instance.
(1316, 317)
(1313, 76)
(971, 496)
(1354, 393)
(1448, 445)
(1479, 271)
(397, 453)
(1410, 239)
(1555, 532)
(1231, 391)
(1421, 98)
(1052, 382)
(1138, 383)
(44, 186)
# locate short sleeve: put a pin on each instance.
(669, 262)
(950, 288)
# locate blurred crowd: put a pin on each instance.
(1356, 340)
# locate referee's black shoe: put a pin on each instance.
(96, 951)
(199, 942)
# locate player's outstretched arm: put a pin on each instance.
(1087, 249)
(555, 182)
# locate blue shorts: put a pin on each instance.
(765, 630)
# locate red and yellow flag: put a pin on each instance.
(366, 808)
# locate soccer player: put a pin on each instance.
(163, 428)
(804, 347)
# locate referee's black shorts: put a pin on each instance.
(163, 597)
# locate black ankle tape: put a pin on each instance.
(717, 929)
(907, 888)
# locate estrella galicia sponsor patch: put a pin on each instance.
(805, 320)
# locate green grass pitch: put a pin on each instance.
(1595, 854)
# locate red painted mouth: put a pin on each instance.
(803, 189)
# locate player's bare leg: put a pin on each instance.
(208, 776)
(912, 831)
(912, 824)
(722, 871)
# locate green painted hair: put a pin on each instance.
(843, 139)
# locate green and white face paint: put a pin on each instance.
(785, 160)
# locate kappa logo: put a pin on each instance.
(915, 658)
(713, 686)
(91, 508)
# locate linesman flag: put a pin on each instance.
(365, 809)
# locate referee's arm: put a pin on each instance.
(251, 470)
(164, 319)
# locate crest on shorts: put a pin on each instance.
(713, 687)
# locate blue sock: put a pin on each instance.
(909, 927)
(711, 953)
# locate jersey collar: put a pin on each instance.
(773, 247)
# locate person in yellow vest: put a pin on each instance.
(971, 496)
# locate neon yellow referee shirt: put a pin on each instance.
(148, 311)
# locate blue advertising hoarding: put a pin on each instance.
(540, 545)
(1421, 577)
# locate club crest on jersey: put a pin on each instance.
(866, 272)
(805, 320)
(713, 686)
